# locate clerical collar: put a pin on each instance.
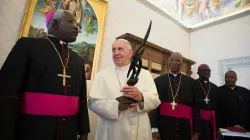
(60, 41)
(123, 67)
(204, 81)
(173, 73)
(232, 88)
(122, 72)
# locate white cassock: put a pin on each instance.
(131, 124)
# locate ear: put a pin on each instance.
(131, 52)
(181, 61)
(55, 24)
(198, 72)
(168, 61)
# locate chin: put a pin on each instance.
(117, 64)
(174, 70)
(230, 84)
(72, 39)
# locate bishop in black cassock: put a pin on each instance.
(233, 103)
(205, 124)
(43, 87)
(173, 118)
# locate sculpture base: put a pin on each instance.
(125, 100)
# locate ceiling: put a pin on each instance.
(193, 15)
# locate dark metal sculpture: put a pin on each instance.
(135, 68)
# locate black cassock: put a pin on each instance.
(172, 124)
(34, 104)
(205, 112)
(233, 107)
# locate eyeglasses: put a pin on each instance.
(206, 70)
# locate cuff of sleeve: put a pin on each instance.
(154, 130)
(120, 113)
(82, 134)
(140, 106)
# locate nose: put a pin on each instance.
(76, 26)
(79, 29)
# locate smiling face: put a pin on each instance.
(122, 53)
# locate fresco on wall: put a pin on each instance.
(191, 12)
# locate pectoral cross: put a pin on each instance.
(64, 76)
(206, 100)
(173, 105)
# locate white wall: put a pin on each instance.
(133, 17)
(224, 41)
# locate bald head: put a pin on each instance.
(176, 54)
(231, 72)
(122, 52)
(175, 62)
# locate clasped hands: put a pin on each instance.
(133, 93)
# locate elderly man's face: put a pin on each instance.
(121, 53)
(175, 62)
(67, 28)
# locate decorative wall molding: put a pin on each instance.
(232, 63)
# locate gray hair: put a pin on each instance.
(59, 14)
(130, 46)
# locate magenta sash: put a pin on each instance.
(180, 111)
(49, 104)
(209, 116)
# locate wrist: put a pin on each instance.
(84, 135)
(122, 107)
(119, 107)
(142, 99)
